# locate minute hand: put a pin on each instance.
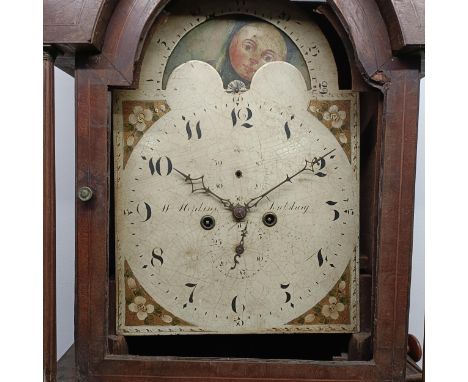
(309, 166)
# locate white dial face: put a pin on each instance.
(258, 152)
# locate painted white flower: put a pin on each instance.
(333, 309)
(140, 307)
(335, 115)
(342, 285)
(130, 140)
(166, 318)
(309, 318)
(131, 283)
(342, 137)
(139, 116)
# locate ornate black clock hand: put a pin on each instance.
(240, 247)
(198, 184)
(309, 166)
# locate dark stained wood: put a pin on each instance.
(405, 21)
(388, 180)
(66, 62)
(49, 223)
(413, 371)
(358, 84)
(398, 161)
(66, 366)
(116, 343)
(365, 300)
(76, 25)
(364, 23)
(415, 350)
(124, 40)
(93, 137)
(360, 347)
(82, 23)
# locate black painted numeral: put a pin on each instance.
(190, 299)
(287, 130)
(320, 257)
(144, 210)
(234, 305)
(157, 167)
(157, 254)
(188, 129)
(288, 294)
(337, 215)
(242, 116)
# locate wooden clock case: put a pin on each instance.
(376, 44)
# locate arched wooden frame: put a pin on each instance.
(397, 80)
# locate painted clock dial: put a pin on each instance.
(236, 181)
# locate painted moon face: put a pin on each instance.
(255, 45)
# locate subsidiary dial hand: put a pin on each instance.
(240, 247)
(309, 166)
(198, 185)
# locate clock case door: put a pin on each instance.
(388, 87)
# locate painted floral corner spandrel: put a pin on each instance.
(138, 116)
(142, 309)
(333, 308)
(335, 115)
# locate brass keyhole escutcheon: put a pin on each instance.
(85, 194)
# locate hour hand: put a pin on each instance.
(239, 250)
(198, 185)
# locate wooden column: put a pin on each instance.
(49, 281)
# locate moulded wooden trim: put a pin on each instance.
(80, 25)
(367, 31)
(237, 369)
(404, 20)
(396, 204)
(124, 38)
(49, 220)
(405, 23)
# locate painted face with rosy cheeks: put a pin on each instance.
(255, 45)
